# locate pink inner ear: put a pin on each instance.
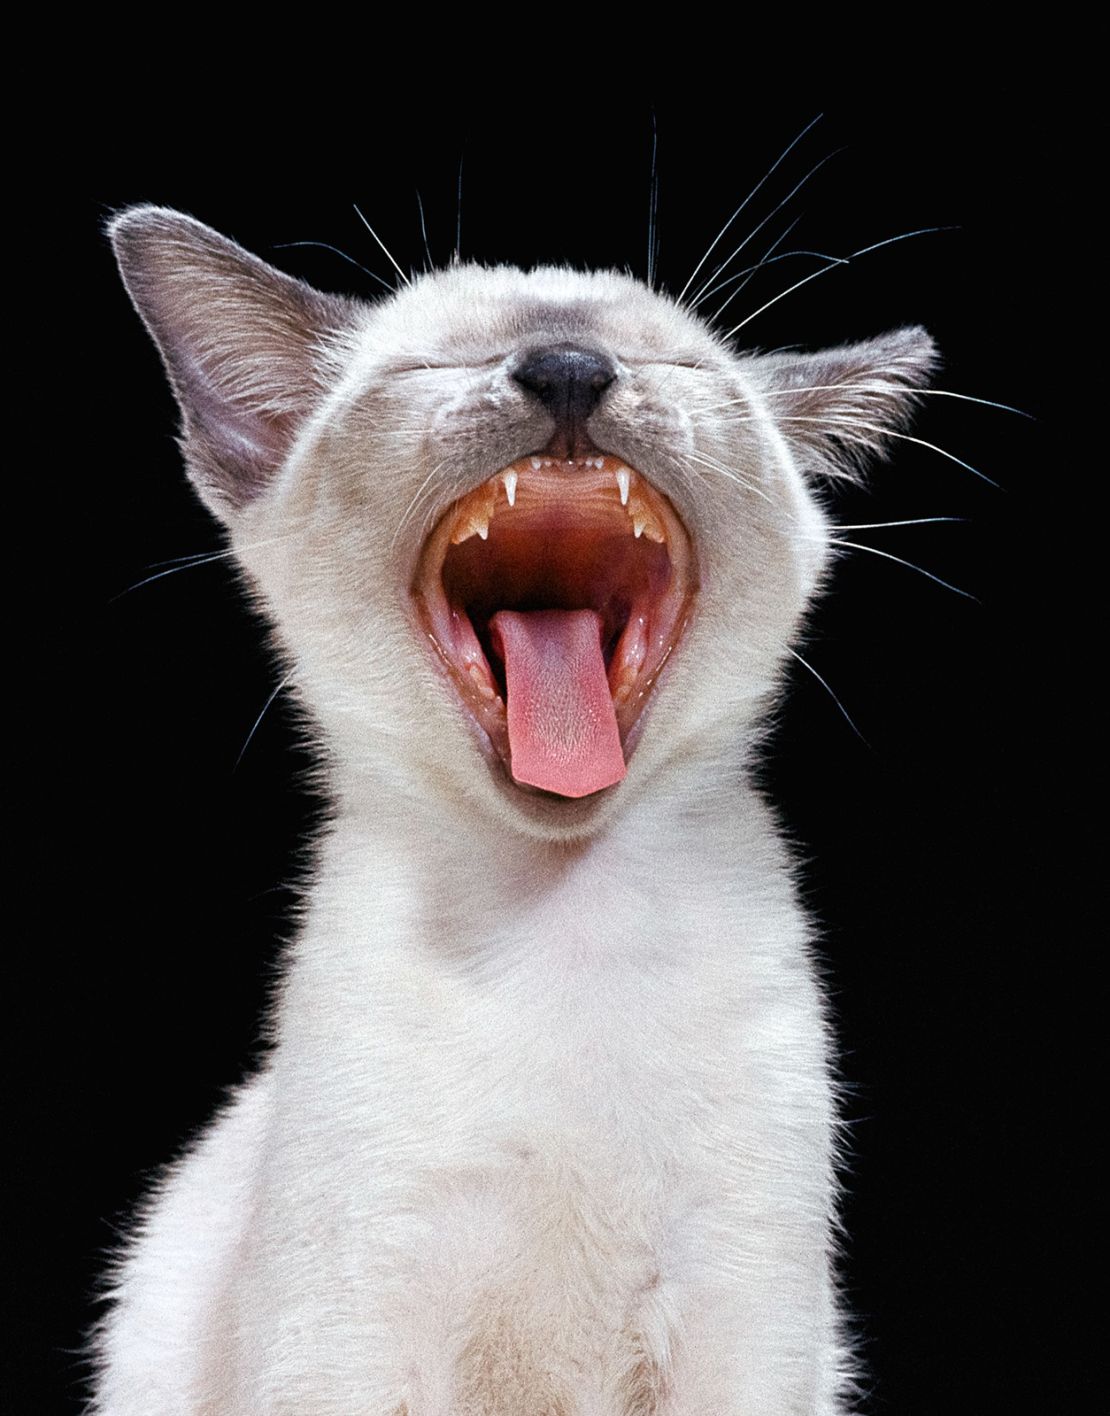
(238, 339)
(239, 449)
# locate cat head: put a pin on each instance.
(534, 542)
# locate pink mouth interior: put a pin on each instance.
(555, 622)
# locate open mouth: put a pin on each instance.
(554, 593)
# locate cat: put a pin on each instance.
(547, 1127)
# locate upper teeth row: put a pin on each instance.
(478, 510)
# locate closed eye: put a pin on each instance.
(430, 366)
(664, 363)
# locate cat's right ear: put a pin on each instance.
(244, 346)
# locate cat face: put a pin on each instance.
(534, 542)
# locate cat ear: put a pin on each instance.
(244, 346)
(841, 405)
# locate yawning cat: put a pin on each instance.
(546, 1128)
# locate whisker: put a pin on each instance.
(914, 521)
(713, 245)
(193, 556)
(382, 244)
(886, 555)
(653, 203)
(412, 504)
(859, 387)
(458, 217)
(728, 472)
(832, 695)
(680, 467)
(424, 233)
(967, 398)
(191, 562)
(768, 259)
(834, 422)
(261, 715)
(844, 260)
(819, 255)
(797, 188)
(150, 579)
(324, 246)
(866, 387)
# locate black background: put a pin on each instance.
(165, 862)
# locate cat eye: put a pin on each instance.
(427, 368)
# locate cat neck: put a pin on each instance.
(441, 889)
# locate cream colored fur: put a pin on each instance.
(547, 1128)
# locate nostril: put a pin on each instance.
(569, 382)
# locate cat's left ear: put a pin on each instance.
(246, 347)
(839, 407)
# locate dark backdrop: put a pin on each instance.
(166, 858)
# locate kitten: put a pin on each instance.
(546, 1129)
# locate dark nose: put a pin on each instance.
(569, 382)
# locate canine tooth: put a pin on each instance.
(624, 481)
(510, 479)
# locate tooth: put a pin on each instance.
(654, 533)
(624, 481)
(477, 525)
(638, 524)
(537, 463)
(510, 479)
(478, 678)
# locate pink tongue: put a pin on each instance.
(563, 732)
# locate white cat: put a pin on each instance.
(547, 1125)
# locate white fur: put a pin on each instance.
(546, 1129)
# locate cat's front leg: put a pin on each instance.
(743, 1352)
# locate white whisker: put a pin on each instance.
(416, 498)
(458, 215)
(424, 233)
(914, 521)
(832, 695)
(886, 555)
(796, 188)
(653, 203)
(967, 398)
(382, 244)
(834, 423)
(730, 473)
(191, 562)
(324, 246)
(845, 260)
(265, 710)
(767, 260)
(713, 244)
(874, 387)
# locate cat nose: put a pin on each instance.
(569, 382)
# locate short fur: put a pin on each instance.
(547, 1127)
